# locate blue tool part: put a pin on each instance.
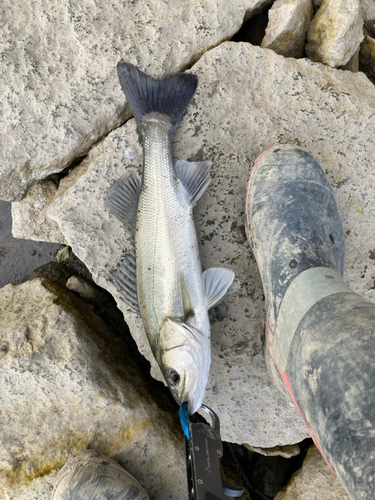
(184, 419)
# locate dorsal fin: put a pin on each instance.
(195, 177)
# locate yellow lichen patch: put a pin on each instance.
(127, 435)
(26, 469)
(25, 476)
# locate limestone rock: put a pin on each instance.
(19, 257)
(85, 289)
(59, 88)
(287, 27)
(240, 392)
(68, 384)
(288, 451)
(335, 32)
(314, 481)
(257, 6)
(32, 208)
(368, 11)
(253, 30)
(353, 63)
(332, 114)
(367, 57)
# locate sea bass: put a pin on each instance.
(161, 277)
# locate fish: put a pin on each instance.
(161, 277)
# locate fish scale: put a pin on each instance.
(164, 228)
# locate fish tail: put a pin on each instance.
(146, 94)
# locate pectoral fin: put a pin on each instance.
(195, 177)
(186, 299)
(123, 196)
(218, 282)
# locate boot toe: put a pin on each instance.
(293, 221)
(89, 476)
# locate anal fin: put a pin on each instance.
(195, 177)
(218, 282)
(125, 279)
(122, 199)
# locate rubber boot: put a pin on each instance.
(320, 335)
(88, 476)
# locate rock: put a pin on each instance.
(253, 30)
(314, 481)
(288, 451)
(92, 294)
(287, 27)
(248, 386)
(335, 32)
(368, 11)
(18, 257)
(367, 57)
(60, 92)
(330, 113)
(31, 208)
(266, 475)
(60, 273)
(54, 272)
(67, 384)
(353, 63)
(85, 289)
(257, 6)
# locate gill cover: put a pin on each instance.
(185, 357)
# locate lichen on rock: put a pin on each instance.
(335, 32)
(68, 384)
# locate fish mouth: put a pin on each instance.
(193, 406)
(192, 394)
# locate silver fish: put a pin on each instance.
(162, 277)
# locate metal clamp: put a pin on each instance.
(204, 449)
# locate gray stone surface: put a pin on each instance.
(32, 208)
(257, 6)
(68, 384)
(315, 481)
(19, 257)
(368, 11)
(288, 22)
(240, 388)
(287, 451)
(367, 56)
(335, 32)
(330, 113)
(59, 87)
(353, 63)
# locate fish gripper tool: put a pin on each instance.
(204, 449)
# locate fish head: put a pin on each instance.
(185, 355)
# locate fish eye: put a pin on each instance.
(174, 378)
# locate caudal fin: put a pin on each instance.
(146, 94)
